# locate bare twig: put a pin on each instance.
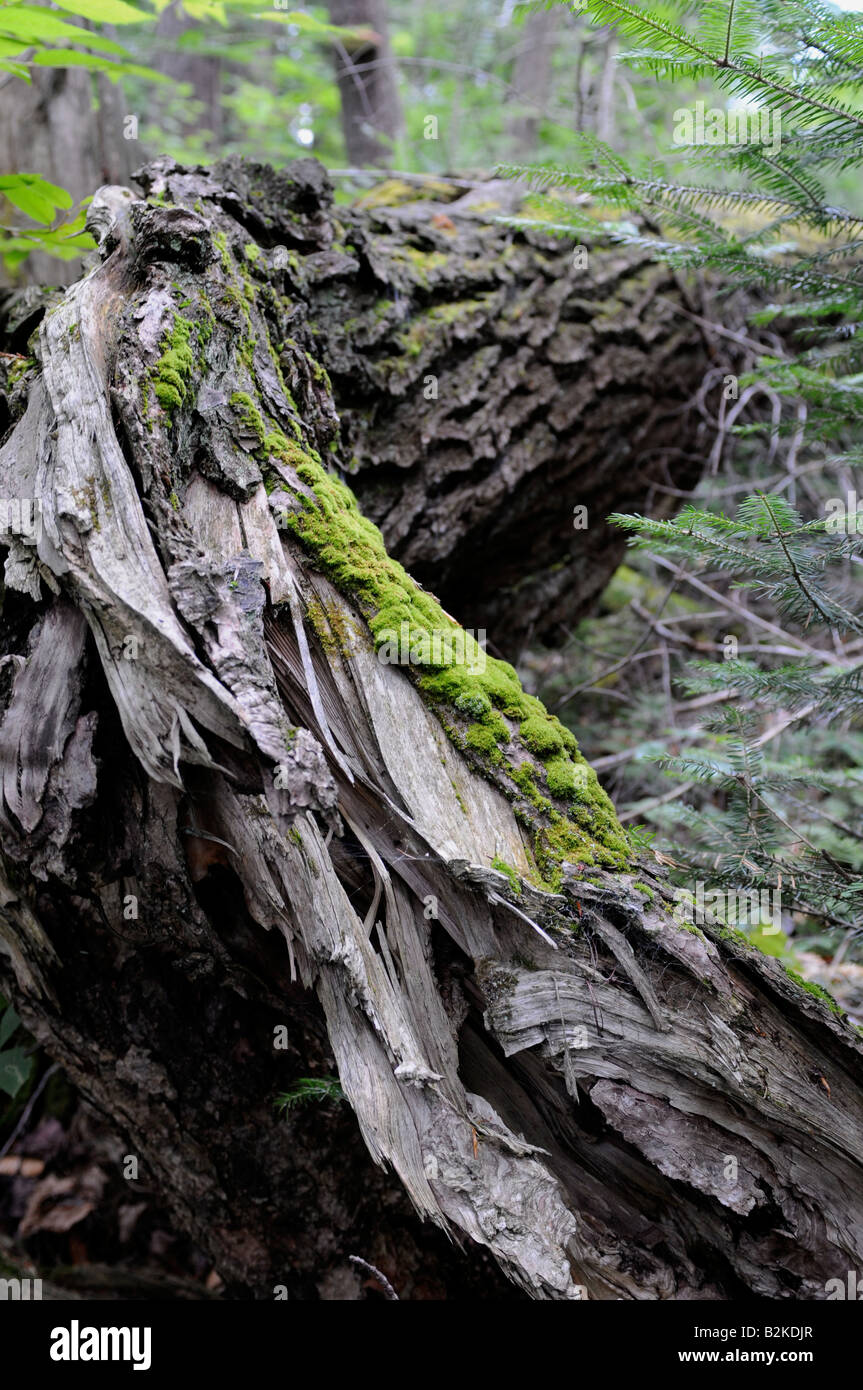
(389, 1291)
(28, 1109)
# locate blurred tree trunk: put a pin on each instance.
(366, 75)
(52, 126)
(531, 80)
(200, 71)
(595, 72)
(604, 121)
(239, 850)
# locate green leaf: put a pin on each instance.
(52, 191)
(206, 9)
(31, 203)
(9, 1021)
(15, 69)
(31, 24)
(34, 196)
(106, 11)
(10, 47)
(70, 58)
(15, 1067)
(307, 24)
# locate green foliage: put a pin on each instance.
(770, 829)
(277, 95)
(775, 761)
(308, 1089)
(40, 201)
(34, 36)
(15, 1061)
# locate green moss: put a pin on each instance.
(511, 873)
(562, 777)
(643, 888)
(819, 993)
(482, 740)
(239, 293)
(18, 368)
(564, 841)
(252, 251)
(273, 443)
(498, 727)
(476, 704)
(220, 241)
(174, 501)
(734, 934)
(389, 194)
(319, 373)
(524, 777)
(540, 736)
(172, 373)
(425, 327)
(249, 413)
(351, 551)
(691, 928)
(423, 262)
(336, 631)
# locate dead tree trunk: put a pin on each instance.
(227, 812)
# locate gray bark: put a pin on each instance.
(196, 723)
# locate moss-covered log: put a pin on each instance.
(268, 812)
(487, 382)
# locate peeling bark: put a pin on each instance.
(222, 812)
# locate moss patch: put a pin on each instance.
(172, 373)
(351, 551)
(817, 991)
(272, 442)
(511, 873)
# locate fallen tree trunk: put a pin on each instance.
(265, 805)
(488, 384)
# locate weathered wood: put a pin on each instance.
(222, 811)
